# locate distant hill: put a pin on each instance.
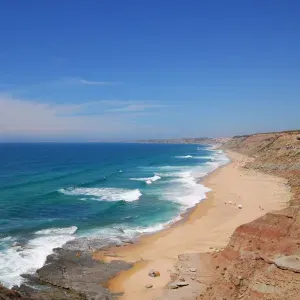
(202, 140)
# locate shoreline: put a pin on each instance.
(160, 250)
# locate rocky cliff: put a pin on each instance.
(262, 259)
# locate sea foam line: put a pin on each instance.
(26, 259)
(148, 180)
(104, 194)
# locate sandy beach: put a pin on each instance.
(206, 228)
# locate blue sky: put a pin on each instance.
(111, 70)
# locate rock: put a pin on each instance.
(173, 286)
(237, 280)
(291, 263)
(80, 274)
(193, 269)
(240, 206)
(154, 273)
(181, 284)
(149, 286)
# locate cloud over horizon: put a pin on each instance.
(88, 120)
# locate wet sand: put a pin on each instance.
(207, 227)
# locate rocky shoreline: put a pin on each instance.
(70, 273)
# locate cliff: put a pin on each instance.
(262, 259)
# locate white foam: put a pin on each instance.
(124, 233)
(57, 231)
(188, 192)
(173, 167)
(6, 239)
(18, 260)
(105, 194)
(148, 180)
(185, 156)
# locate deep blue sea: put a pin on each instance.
(53, 193)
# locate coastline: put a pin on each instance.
(160, 250)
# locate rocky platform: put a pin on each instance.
(69, 273)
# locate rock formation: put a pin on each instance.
(262, 259)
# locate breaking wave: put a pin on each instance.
(27, 258)
(105, 194)
(148, 180)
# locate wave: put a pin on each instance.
(104, 194)
(45, 180)
(185, 156)
(148, 180)
(57, 231)
(17, 260)
(125, 233)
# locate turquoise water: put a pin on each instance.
(53, 193)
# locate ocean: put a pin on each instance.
(53, 193)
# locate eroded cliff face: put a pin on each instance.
(274, 153)
(262, 259)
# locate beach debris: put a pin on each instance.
(78, 254)
(154, 273)
(240, 206)
(193, 270)
(149, 286)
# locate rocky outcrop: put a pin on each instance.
(68, 274)
(262, 259)
(79, 272)
(6, 294)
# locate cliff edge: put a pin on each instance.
(262, 259)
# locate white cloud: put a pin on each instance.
(48, 121)
(89, 82)
(137, 107)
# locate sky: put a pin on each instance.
(123, 70)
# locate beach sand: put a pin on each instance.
(207, 227)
